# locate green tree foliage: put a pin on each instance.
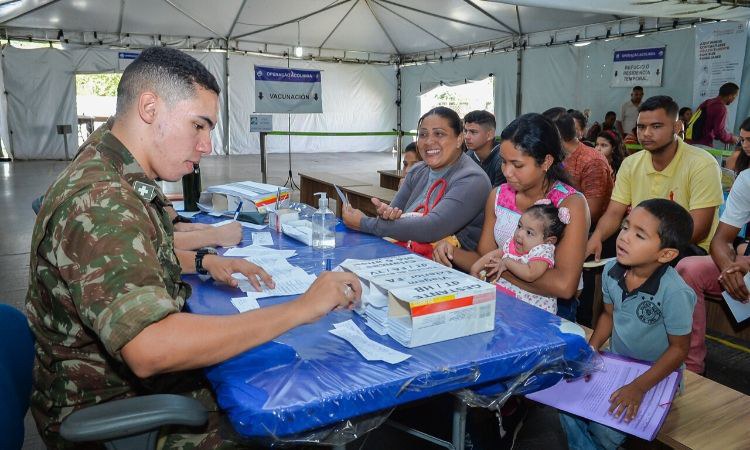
(99, 84)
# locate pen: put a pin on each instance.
(237, 212)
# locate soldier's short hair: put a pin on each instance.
(170, 73)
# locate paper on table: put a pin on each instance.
(294, 283)
(369, 349)
(244, 304)
(262, 238)
(253, 226)
(188, 214)
(216, 213)
(222, 223)
(591, 399)
(272, 264)
(741, 311)
(258, 250)
(178, 205)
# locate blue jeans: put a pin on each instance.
(584, 434)
(567, 308)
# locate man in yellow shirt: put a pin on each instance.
(670, 169)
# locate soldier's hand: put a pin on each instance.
(221, 269)
(227, 235)
(182, 226)
(331, 290)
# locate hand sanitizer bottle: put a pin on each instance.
(323, 225)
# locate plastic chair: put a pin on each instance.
(127, 424)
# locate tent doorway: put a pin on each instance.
(96, 101)
(462, 98)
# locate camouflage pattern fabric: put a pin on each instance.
(102, 269)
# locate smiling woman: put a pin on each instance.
(440, 197)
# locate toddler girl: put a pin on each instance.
(531, 252)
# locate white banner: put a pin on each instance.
(638, 67)
(282, 90)
(719, 57)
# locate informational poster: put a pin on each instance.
(259, 122)
(125, 58)
(638, 67)
(719, 57)
(282, 90)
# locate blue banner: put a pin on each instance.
(286, 90)
(639, 54)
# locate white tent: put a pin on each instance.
(431, 41)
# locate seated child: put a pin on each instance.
(531, 251)
(648, 312)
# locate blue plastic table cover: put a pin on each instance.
(309, 379)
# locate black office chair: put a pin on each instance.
(129, 424)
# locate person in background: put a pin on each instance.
(629, 111)
(532, 163)
(740, 159)
(479, 138)
(446, 190)
(648, 311)
(580, 121)
(724, 269)
(589, 171)
(684, 114)
(410, 158)
(608, 143)
(609, 124)
(715, 122)
(668, 168)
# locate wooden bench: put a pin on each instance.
(708, 415)
(360, 197)
(390, 179)
(720, 318)
(312, 182)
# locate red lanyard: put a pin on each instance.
(426, 207)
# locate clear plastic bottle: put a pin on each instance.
(323, 225)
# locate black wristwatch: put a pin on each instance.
(199, 259)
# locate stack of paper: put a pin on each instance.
(254, 197)
(417, 301)
(369, 349)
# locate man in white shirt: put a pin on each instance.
(629, 111)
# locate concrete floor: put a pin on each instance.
(22, 181)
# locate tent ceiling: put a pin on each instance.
(369, 26)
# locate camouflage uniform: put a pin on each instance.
(102, 269)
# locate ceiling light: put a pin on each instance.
(639, 35)
(581, 44)
(298, 51)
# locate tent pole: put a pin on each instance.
(519, 78)
(399, 131)
(227, 134)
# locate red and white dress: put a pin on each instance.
(541, 252)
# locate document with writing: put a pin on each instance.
(591, 399)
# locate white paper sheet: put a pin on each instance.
(258, 250)
(294, 283)
(262, 238)
(741, 311)
(244, 304)
(253, 226)
(222, 223)
(369, 349)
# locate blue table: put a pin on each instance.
(309, 379)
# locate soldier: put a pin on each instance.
(105, 298)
